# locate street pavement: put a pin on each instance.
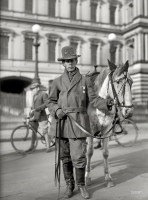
(31, 176)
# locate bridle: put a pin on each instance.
(122, 89)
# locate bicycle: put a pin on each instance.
(21, 137)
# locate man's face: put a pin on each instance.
(35, 90)
(70, 64)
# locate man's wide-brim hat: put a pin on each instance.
(68, 53)
(34, 85)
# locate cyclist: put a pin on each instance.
(38, 114)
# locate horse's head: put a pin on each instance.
(120, 87)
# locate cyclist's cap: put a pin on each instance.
(34, 85)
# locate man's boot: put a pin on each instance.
(68, 175)
(80, 177)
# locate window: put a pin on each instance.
(51, 50)
(73, 9)
(4, 41)
(51, 8)
(94, 54)
(28, 6)
(4, 4)
(113, 53)
(93, 12)
(74, 45)
(28, 48)
(112, 14)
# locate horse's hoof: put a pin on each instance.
(109, 183)
(88, 181)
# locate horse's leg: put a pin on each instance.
(88, 155)
(105, 151)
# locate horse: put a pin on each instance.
(112, 82)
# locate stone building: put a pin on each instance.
(84, 24)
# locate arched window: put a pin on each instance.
(28, 42)
(54, 46)
(96, 51)
(76, 42)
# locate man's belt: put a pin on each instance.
(74, 110)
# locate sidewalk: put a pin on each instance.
(31, 177)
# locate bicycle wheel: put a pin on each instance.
(21, 139)
(126, 133)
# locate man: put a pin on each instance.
(70, 93)
(38, 114)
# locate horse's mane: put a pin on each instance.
(100, 79)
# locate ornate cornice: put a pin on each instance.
(28, 33)
(53, 36)
(75, 38)
(115, 2)
(7, 32)
(96, 41)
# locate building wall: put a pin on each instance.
(130, 27)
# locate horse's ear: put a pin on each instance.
(112, 66)
(126, 66)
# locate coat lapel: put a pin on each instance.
(65, 80)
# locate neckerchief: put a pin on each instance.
(71, 74)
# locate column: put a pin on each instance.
(46, 48)
(140, 46)
(123, 52)
(35, 6)
(118, 14)
(58, 8)
(118, 54)
(80, 51)
(58, 50)
(79, 10)
(11, 5)
(145, 7)
(135, 48)
(146, 46)
(135, 8)
(99, 54)
(126, 14)
(99, 12)
(141, 7)
(10, 49)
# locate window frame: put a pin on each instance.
(4, 56)
(3, 2)
(52, 8)
(29, 5)
(93, 13)
(26, 49)
(51, 58)
(112, 14)
(73, 9)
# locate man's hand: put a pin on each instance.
(110, 103)
(32, 119)
(60, 114)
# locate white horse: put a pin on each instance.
(101, 119)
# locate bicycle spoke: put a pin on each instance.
(21, 138)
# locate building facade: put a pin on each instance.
(84, 24)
